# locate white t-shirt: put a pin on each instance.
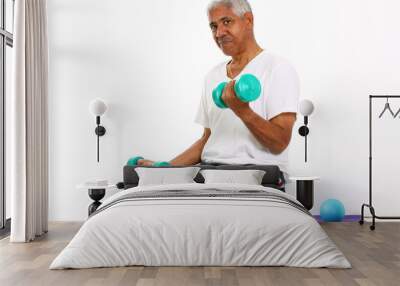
(231, 142)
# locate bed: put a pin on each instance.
(201, 224)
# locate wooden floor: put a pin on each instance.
(375, 257)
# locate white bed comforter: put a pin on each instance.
(200, 231)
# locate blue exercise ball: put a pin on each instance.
(332, 210)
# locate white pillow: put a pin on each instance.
(248, 177)
(165, 176)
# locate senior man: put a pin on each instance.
(258, 132)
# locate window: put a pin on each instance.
(6, 44)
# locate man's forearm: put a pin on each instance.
(192, 155)
(270, 135)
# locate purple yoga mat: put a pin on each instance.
(347, 218)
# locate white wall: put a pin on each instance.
(147, 60)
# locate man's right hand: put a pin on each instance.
(144, 162)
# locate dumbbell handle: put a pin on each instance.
(247, 89)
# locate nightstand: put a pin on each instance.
(305, 190)
(96, 193)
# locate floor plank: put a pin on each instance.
(375, 257)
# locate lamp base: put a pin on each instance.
(100, 130)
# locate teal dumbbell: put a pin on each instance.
(161, 164)
(134, 161)
(247, 88)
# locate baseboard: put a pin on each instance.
(356, 218)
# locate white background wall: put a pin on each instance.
(147, 60)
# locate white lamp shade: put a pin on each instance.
(306, 107)
(97, 107)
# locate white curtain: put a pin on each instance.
(29, 122)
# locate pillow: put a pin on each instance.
(248, 177)
(165, 176)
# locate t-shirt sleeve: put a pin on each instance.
(202, 114)
(283, 92)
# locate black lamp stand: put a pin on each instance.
(304, 131)
(100, 131)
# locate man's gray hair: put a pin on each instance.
(239, 7)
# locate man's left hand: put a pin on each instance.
(231, 100)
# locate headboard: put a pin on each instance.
(273, 176)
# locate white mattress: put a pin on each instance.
(200, 231)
